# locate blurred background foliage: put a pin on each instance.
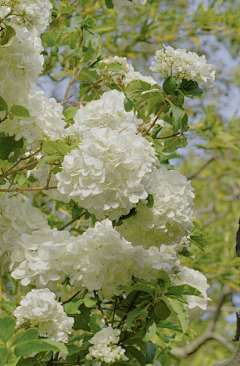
(211, 160)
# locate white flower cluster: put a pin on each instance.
(99, 259)
(108, 111)
(121, 3)
(183, 64)
(105, 348)
(124, 77)
(46, 120)
(109, 173)
(170, 220)
(21, 63)
(196, 304)
(39, 309)
(16, 218)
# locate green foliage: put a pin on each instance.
(19, 111)
(7, 35)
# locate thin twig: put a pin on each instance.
(5, 175)
(85, 291)
(193, 175)
(155, 120)
(27, 189)
(71, 222)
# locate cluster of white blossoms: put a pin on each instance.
(40, 310)
(196, 304)
(183, 64)
(121, 3)
(27, 13)
(100, 259)
(170, 220)
(16, 218)
(108, 111)
(109, 173)
(125, 76)
(46, 120)
(21, 63)
(105, 348)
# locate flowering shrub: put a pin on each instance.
(103, 158)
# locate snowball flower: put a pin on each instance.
(196, 304)
(39, 309)
(108, 111)
(43, 258)
(16, 218)
(170, 220)
(46, 121)
(105, 260)
(120, 3)
(28, 13)
(105, 348)
(182, 64)
(128, 74)
(109, 173)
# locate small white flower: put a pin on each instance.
(105, 348)
(182, 64)
(124, 77)
(39, 309)
(170, 221)
(196, 304)
(108, 111)
(109, 173)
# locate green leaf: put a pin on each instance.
(67, 9)
(109, 4)
(190, 89)
(3, 105)
(88, 74)
(7, 36)
(81, 321)
(197, 238)
(134, 313)
(39, 345)
(163, 280)
(70, 113)
(135, 89)
(184, 290)
(7, 326)
(150, 203)
(174, 143)
(128, 105)
(168, 157)
(27, 362)
(88, 22)
(72, 306)
(144, 287)
(49, 159)
(49, 38)
(151, 352)
(177, 116)
(7, 306)
(3, 354)
(19, 111)
(156, 131)
(7, 145)
(170, 85)
(161, 310)
(149, 330)
(114, 67)
(25, 336)
(133, 352)
(178, 310)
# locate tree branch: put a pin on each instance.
(85, 291)
(71, 222)
(193, 175)
(5, 175)
(27, 189)
(155, 120)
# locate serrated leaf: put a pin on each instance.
(170, 85)
(3, 105)
(149, 330)
(39, 345)
(25, 336)
(178, 310)
(19, 111)
(70, 113)
(135, 89)
(174, 143)
(7, 36)
(72, 306)
(134, 313)
(184, 290)
(190, 89)
(7, 327)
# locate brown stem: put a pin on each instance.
(74, 78)
(5, 175)
(168, 137)
(27, 189)
(71, 222)
(75, 295)
(155, 120)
